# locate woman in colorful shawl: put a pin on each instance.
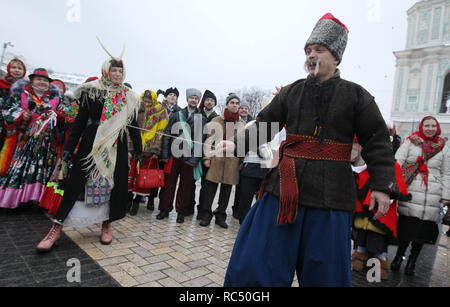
(31, 147)
(96, 187)
(153, 122)
(425, 162)
(16, 70)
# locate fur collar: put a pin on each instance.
(19, 87)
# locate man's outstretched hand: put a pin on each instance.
(225, 147)
(383, 200)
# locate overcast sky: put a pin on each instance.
(206, 44)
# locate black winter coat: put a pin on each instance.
(346, 109)
(92, 109)
(196, 123)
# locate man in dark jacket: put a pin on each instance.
(207, 105)
(183, 151)
(303, 219)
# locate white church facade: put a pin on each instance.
(422, 81)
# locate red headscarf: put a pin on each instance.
(57, 81)
(7, 82)
(422, 135)
(431, 146)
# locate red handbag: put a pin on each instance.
(150, 178)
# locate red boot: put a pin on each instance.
(384, 268)
(49, 241)
(106, 238)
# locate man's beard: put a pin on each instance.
(315, 62)
(207, 109)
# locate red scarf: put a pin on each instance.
(36, 99)
(229, 118)
(8, 81)
(431, 146)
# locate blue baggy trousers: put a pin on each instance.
(317, 246)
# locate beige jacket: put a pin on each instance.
(223, 169)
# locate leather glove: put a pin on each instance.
(66, 156)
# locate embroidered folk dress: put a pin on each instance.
(31, 148)
(96, 108)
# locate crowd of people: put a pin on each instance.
(81, 157)
(68, 152)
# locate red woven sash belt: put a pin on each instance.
(304, 147)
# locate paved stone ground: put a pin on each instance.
(20, 265)
(151, 253)
(432, 268)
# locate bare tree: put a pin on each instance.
(221, 105)
(253, 97)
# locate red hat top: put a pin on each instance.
(330, 16)
(91, 79)
(331, 33)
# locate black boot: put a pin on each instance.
(397, 262)
(130, 201)
(411, 265)
(151, 204)
(162, 215)
(135, 207)
(220, 220)
(180, 218)
(205, 220)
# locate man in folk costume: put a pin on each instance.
(102, 156)
(182, 153)
(153, 122)
(303, 219)
(372, 237)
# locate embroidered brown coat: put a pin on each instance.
(346, 109)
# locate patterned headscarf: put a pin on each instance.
(155, 118)
(121, 105)
(431, 146)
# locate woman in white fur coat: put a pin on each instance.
(425, 161)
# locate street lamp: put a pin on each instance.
(5, 45)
